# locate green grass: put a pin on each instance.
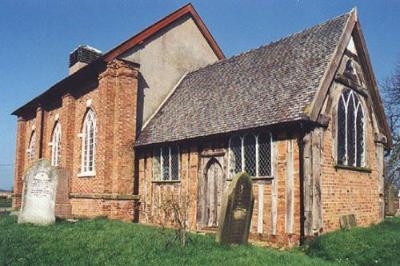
(377, 244)
(104, 242)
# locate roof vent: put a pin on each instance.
(82, 56)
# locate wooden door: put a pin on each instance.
(213, 193)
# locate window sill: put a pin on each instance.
(87, 174)
(256, 178)
(166, 181)
(353, 168)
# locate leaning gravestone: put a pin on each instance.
(39, 194)
(236, 211)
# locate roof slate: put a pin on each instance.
(268, 85)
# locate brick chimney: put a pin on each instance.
(82, 56)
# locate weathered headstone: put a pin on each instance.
(39, 194)
(391, 199)
(347, 221)
(236, 211)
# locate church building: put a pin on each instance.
(165, 114)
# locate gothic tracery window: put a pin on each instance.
(89, 143)
(350, 130)
(250, 153)
(56, 145)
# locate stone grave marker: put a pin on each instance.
(236, 211)
(39, 194)
(347, 221)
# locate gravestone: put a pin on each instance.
(347, 221)
(391, 199)
(236, 211)
(39, 194)
(398, 208)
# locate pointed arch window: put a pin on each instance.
(350, 130)
(88, 160)
(250, 153)
(31, 147)
(56, 145)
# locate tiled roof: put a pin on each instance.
(268, 85)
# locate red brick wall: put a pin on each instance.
(349, 191)
(113, 97)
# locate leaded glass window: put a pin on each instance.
(249, 146)
(350, 131)
(166, 163)
(250, 153)
(89, 143)
(235, 155)
(264, 154)
(56, 145)
(360, 160)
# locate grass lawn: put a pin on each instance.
(99, 241)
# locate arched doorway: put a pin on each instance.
(213, 188)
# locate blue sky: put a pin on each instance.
(36, 38)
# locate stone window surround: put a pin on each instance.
(56, 145)
(31, 147)
(90, 116)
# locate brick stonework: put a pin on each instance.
(349, 191)
(353, 191)
(113, 97)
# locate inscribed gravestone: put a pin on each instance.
(236, 211)
(39, 194)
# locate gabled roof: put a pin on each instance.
(187, 10)
(269, 85)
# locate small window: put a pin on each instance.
(349, 68)
(249, 145)
(235, 155)
(264, 154)
(56, 145)
(250, 153)
(350, 130)
(89, 143)
(166, 164)
(31, 147)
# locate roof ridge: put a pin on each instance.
(228, 59)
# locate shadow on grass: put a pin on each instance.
(377, 244)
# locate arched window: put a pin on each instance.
(350, 130)
(251, 154)
(166, 164)
(89, 143)
(31, 147)
(56, 145)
